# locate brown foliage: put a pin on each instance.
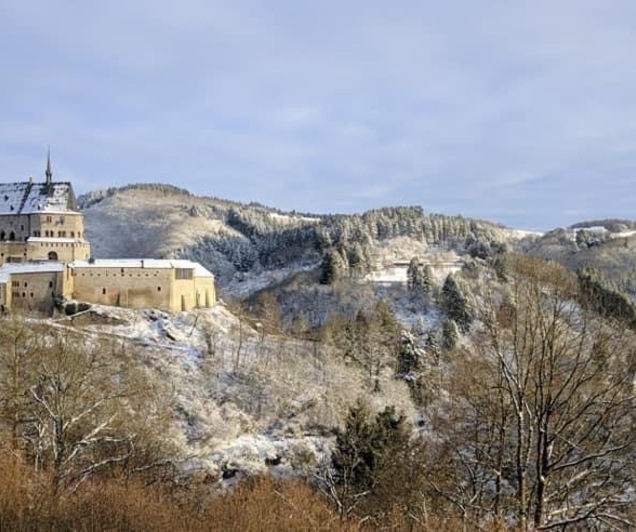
(28, 503)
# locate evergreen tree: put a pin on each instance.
(419, 277)
(332, 267)
(455, 304)
(375, 464)
(450, 334)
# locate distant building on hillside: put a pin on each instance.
(44, 259)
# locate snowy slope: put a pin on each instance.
(243, 403)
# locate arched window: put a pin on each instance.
(12, 236)
(2, 236)
(52, 255)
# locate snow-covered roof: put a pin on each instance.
(38, 239)
(28, 267)
(199, 271)
(33, 198)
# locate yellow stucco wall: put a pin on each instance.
(64, 251)
(126, 287)
(21, 226)
(13, 252)
(37, 251)
(137, 287)
(33, 292)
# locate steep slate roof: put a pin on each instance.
(34, 198)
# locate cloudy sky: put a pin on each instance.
(521, 112)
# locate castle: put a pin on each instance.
(44, 258)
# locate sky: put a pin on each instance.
(520, 112)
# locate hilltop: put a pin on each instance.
(249, 247)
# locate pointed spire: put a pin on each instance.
(48, 173)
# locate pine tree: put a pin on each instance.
(450, 334)
(455, 304)
(376, 465)
(332, 267)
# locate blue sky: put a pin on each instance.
(518, 112)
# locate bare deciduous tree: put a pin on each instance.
(77, 405)
(541, 424)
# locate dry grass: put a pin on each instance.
(27, 504)
(263, 505)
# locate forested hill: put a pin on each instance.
(608, 246)
(233, 239)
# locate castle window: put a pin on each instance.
(72, 234)
(25, 284)
(23, 294)
(21, 228)
(31, 294)
(2, 236)
(103, 291)
(183, 273)
(49, 219)
(158, 289)
(50, 284)
(12, 236)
